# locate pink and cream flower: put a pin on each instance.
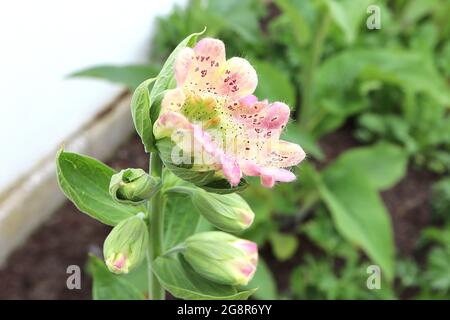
(227, 129)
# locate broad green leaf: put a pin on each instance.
(140, 110)
(223, 186)
(408, 70)
(177, 277)
(264, 281)
(108, 286)
(348, 14)
(283, 245)
(130, 75)
(294, 133)
(239, 16)
(85, 181)
(359, 214)
(274, 84)
(166, 76)
(383, 164)
(300, 26)
(180, 218)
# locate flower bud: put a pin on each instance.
(221, 257)
(228, 212)
(133, 186)
(126, 245)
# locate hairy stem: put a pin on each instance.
(306, 108)
(156, 229)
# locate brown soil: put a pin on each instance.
(38, 269)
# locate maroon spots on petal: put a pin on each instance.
(203, 73)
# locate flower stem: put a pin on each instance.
(303, 117)
(156, 229)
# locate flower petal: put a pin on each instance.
(183, 65)
(286, 154)
(198, 70)
(270, 175)
(238, 80)
(173, 100)
(193, 139)
(213, 50)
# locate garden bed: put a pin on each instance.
(38, 269)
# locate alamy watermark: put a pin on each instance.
(374, 279)
(74, 279)
(373, 22)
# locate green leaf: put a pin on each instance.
(140, 110)
(130, 75)
(283, 245)
(359, 214)
(294, 133)
(264, 281)
(274, 84)
(166, 76)
(108, 286)
(177, 277)
(180, 218)
(223, 186)
(383, 164)
(85, 181)
(408, 70)
(348, 14)
(300, 26)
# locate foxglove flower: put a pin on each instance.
(213, 117)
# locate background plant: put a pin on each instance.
(389, 87)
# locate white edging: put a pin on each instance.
(33, 199)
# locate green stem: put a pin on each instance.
(156, 229)
(306, 107)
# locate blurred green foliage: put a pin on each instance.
(390, 87)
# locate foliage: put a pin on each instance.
(389, 86)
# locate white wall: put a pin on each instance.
(43, 41)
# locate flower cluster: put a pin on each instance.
(213, 116)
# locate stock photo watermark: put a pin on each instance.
(374, 279)
(373, 22)
(73, 281)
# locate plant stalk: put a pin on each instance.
(306, 108)
(156, 230)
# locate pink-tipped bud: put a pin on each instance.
(221, 257)
(126, 245)
(228, 212)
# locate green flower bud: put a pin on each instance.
(126, 245)
(221, 257)
(133, 186)
(228, 212)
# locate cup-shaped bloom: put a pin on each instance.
(133, 186)
(213, 117)
(221, 257)
(228, 212)
(126, 245)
